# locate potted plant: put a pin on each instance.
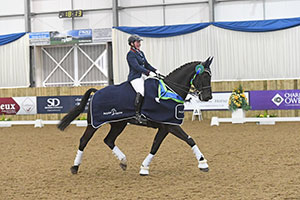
(238, 104)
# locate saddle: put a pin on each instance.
(116, 103)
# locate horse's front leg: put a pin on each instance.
(159, 137)
(178, 132)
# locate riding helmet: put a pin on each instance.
(134, 38)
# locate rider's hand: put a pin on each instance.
(158, 72)
(152, 74)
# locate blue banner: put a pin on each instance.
(5, 39)
(39, 38)
(57, 104)
(245, 26)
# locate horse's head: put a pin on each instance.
(202, 80)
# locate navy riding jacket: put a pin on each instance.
(138, 64)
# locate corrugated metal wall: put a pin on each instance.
(87, 73)
(58, 53)
(84, 64)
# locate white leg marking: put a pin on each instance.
(118, 153)
(78, 158)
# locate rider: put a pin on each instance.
(139, 69)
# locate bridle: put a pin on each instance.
(186, 89)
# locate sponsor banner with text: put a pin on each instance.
(275, 99)
(18, 106)
(57, 104)
(218, 102)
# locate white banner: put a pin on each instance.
(18, 106)
(218, 102)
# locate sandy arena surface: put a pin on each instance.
(246, 162)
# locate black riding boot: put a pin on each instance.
(138, 105)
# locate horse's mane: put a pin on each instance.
(183, 66)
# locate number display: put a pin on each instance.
(70, 13)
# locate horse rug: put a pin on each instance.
(116, 103)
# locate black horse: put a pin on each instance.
(180, 81)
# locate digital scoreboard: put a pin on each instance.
(70, 13)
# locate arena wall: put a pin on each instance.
(43, 91)
(216, 87)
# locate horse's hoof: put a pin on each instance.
(204, 169)
(123, 166)
(144, 171)
(144, 174)
(74, 169)
(202, 165)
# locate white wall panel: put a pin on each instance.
(276, 9)
(141, 17)
(12, 25)
(11, 7)
(125, 3)
(183, 1)
(93, 20)
(238, 55)
(239, 11)
(92, 4)
(50, 5)
(186, 14)
(50, 23)
(14, 63)
(165, 54)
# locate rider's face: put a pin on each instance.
(137, 44)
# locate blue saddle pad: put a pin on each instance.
(116, 102)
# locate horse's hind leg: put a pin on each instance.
(116, 129)
(88, 134)
(178, 132)
(159, 137)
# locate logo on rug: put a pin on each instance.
(113, 112)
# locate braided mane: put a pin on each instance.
(186, 64)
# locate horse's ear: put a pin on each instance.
(210, 60)
(206, 63)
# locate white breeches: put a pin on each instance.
(138, 84)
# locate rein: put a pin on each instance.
(185, 88)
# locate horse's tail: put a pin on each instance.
(66, 120)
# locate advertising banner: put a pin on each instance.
(71, 37)
(102, 35)
(39, 38)
(275, 99)
(18, 106)
(57, 104)
(218, 102)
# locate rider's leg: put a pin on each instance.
(138, 106)
(138, 85)
(178, 132)
(159, 137)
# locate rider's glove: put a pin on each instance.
(158, 72)
(152, 74)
